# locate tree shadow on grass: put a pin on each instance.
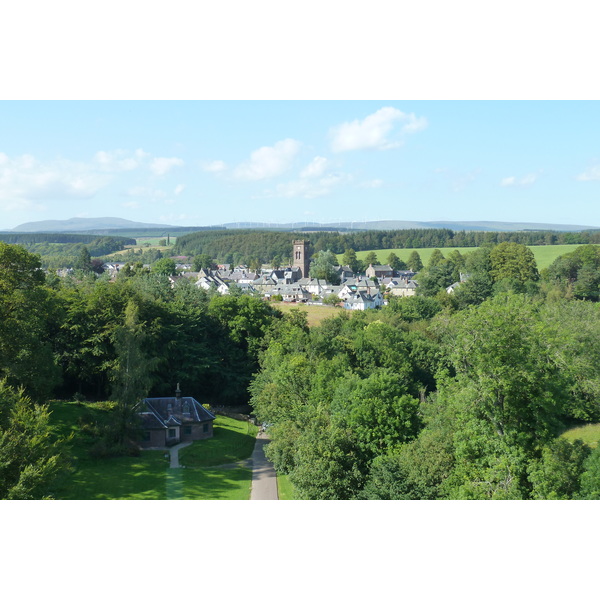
(149, 477)
(225, 447)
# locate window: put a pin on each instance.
(187, 430)
(205, 428)
(172, 433)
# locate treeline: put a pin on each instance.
(58, 250)
(243, 246)
(443, 396)
(64, 238)
(59, 335)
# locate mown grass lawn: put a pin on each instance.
(589, 434)
(285, 490)
(233, 441)
(148, 476)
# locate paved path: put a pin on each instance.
(264, 479)
(174, 453)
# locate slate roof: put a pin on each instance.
(159, 413)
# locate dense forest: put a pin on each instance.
(244, 246)
(440, 395)
(457, 395)
(85, 337)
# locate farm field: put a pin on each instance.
(148, 476)
(544, 255)
(315, 313)
(589, 434)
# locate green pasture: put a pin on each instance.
(314, 313)
(148, 476)
(155, 241)
(589, 434)
(544, 255)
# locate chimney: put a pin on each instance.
(178, 392)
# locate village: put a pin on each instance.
(355, 291)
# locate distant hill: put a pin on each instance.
(86, 224)
(383, 225)
(105, 225)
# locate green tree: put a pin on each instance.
(415, 308)
(164, 266)
(349, 258)
(84, 260)
(28, 321)
(414, 261)
(590, 478)
(510, 260)
(30, 460)
(132, 375)
(435, 259)
(556, 475)
(327, 464)
(323, 267)
(202, 261)
(394, 261)
(379, 412)
(331, 299)
(371, 259)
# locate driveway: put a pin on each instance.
(264, 479)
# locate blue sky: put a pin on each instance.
(210, 162)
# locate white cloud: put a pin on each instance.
(374, 130)
(374, 183)
(178, 189)
(268, 161)
(315, 168)
(120, 160)
(309, 187)
(161, 166)
(461, 182)
(526, 180)
(133, 205)
(24, 179)
(215, 166)
(592, 174)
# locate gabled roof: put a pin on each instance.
(160, 413)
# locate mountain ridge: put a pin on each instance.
(83, 224)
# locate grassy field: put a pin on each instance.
(589, 434)
(285, 490)
(544, 255)
(315, 314)
(232, 441)
(148, 476)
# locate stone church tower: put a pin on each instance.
(302, 256)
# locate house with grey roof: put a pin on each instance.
(402, 287)
(379, 271)
(290, 293)
(170, 420)
(363, 301)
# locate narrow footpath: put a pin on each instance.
(174, 454)
(264, 478)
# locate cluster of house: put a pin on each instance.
(355, 291)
